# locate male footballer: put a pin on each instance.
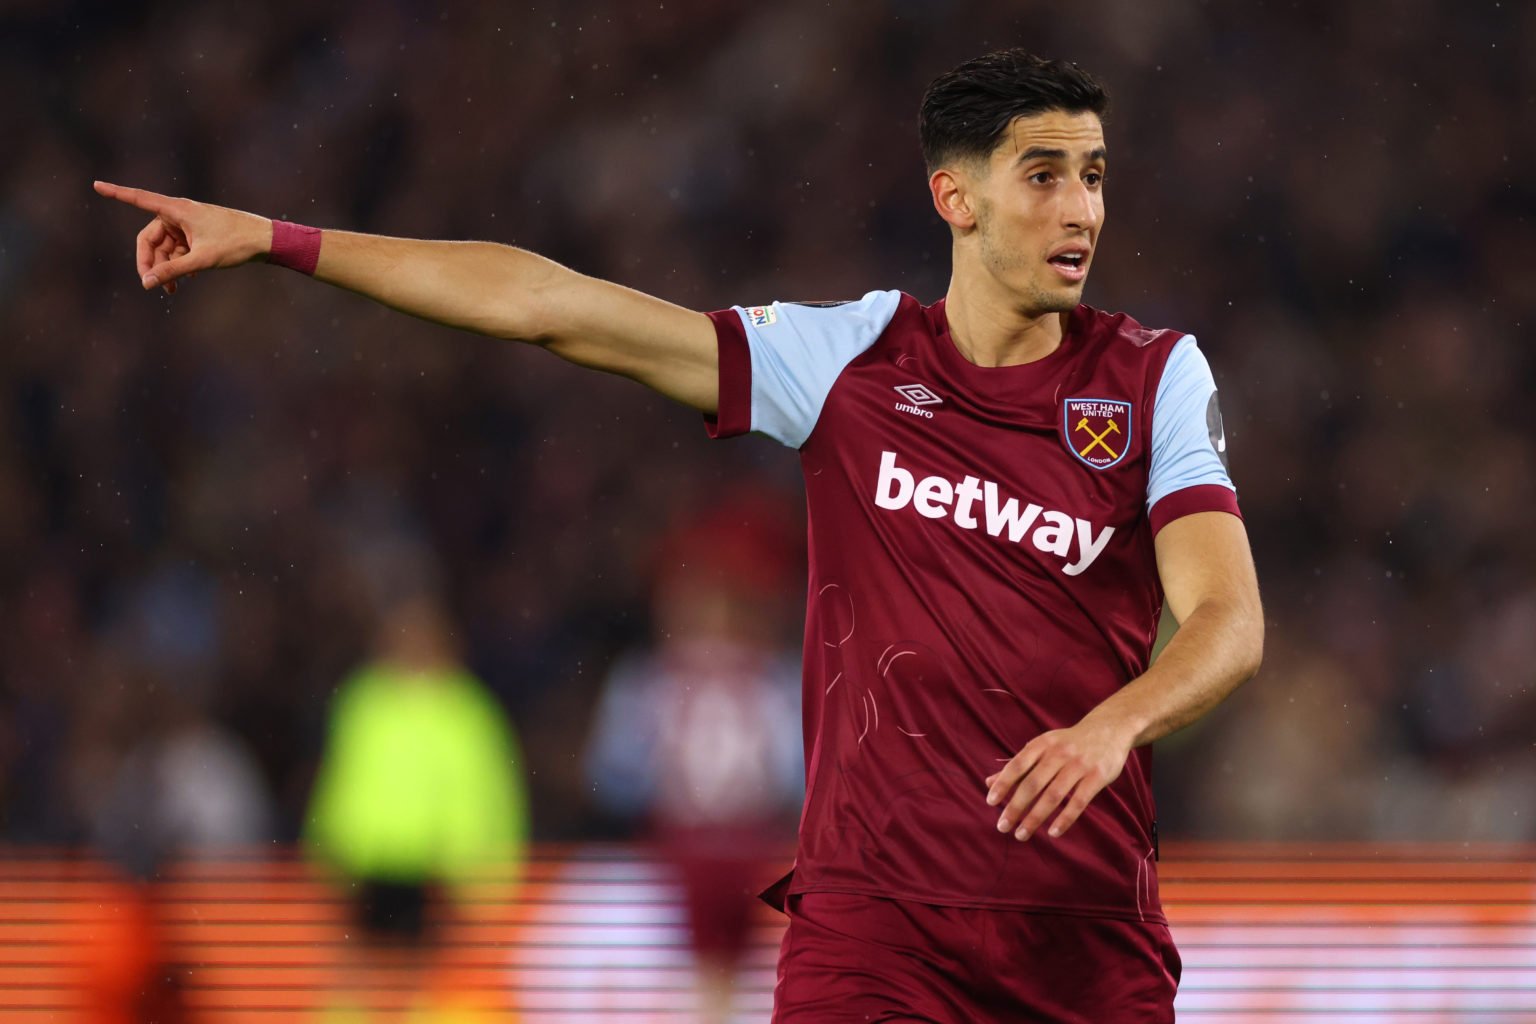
(1004, 489)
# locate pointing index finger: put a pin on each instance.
(153, 202)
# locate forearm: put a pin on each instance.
(1216, 649)
(476, 286)
(1208, 581)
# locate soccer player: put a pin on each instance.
(1004, 489)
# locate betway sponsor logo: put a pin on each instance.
(937, 498)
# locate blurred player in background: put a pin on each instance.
(157, 778)
(695, 735)
(420, 802)
(1004, 489)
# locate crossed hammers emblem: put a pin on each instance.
(1098, 439)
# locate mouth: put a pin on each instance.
(1071, 261)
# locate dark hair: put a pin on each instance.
(966, 110)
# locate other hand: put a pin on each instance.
(1071, 765)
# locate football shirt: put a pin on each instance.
(981, 571)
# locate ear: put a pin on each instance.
(952, 198)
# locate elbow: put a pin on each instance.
(1237, 632)
(521, 293)
(1254, 660)
(1233, 627)
(1251, 650)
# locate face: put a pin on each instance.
(1037, 206)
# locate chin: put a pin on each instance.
(1052, 300)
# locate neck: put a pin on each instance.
(989, 329)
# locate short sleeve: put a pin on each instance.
(1189, 444)
(778, 362)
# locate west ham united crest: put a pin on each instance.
(1097, 430)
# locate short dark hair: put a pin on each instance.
(965, 111)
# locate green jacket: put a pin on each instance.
(422, 779)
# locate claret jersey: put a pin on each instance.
(981, 571)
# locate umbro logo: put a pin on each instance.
(916, 395)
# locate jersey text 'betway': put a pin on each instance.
(937, 498)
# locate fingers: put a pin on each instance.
(161, 242)
(1082, 795)
(157, 244)
(1034, 784)
(169, 248)
(175, 252)
(165, 250)
(1081, 787)
(175, 266)
(154, 202)
(1045, 784)
(148, 238)
(1001, 783)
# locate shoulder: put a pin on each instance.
(1123, 332)
(877, 307)
(886, 305)
(788, 355)
(818, 336)
(887, 314)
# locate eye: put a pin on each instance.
(1041, 177)
(1094, 178)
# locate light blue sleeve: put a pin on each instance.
(798, 352)
(1189, 444)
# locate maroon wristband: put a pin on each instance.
(295, 246)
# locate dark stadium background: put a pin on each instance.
(1337, 199)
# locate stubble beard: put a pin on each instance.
(1013, 268)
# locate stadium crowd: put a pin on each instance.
(206, 497)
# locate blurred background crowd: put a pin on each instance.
(211, 503)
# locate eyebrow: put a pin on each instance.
(1042, 153)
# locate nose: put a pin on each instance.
(1080, 207)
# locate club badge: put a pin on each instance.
(1097, 430)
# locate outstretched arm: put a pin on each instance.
(485, 287)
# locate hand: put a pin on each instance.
(1064, 764)
(186, 236)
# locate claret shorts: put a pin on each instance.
(860, 958)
